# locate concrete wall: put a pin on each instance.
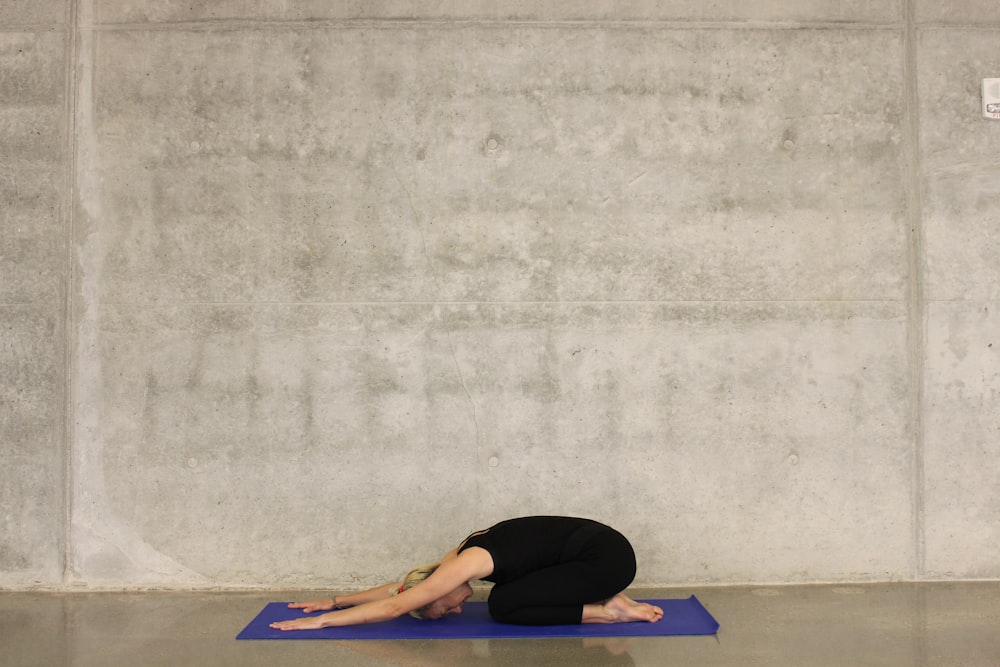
(297, 294)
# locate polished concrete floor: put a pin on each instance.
(897, 625)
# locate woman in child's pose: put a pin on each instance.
(546, 570)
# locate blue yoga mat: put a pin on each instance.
(680, 617)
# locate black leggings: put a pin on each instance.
(600, 567)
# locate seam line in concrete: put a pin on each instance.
(33, 27)
(666, 24)
(676, 23)
(69, 280)
(561, 302)
(458, 24)
(916, 317)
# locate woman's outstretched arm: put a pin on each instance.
(453, 572)
(352, 600)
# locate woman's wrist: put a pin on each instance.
(334, 601)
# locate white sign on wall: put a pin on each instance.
(991, 98)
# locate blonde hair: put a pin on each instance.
(412, 578)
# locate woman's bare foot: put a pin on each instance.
(621, 609)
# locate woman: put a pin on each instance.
(546, 570)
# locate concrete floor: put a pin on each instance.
(892, 624)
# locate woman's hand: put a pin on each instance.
(307, 623)
(313, 605)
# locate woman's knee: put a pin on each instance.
(618, 563)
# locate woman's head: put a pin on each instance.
(448, 604)
(414, 577)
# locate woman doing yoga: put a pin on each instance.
(546, 571)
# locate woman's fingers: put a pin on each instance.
(312, 605)
(298, 624)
